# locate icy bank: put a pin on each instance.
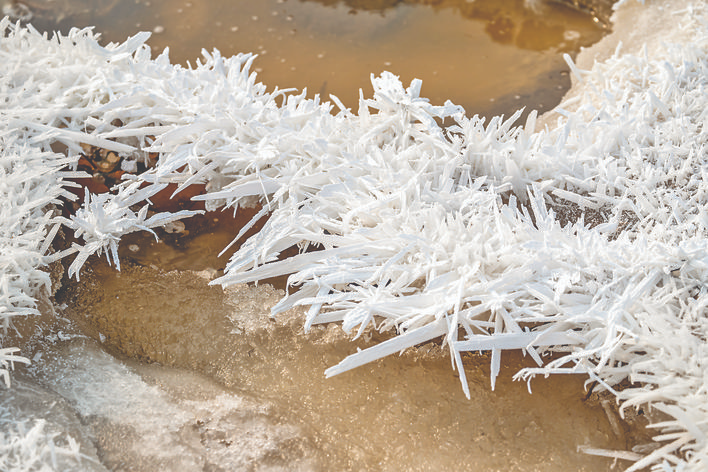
(585, 237)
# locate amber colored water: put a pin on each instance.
(490, 56)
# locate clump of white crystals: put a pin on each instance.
(30, 180)
(425, 230)
(33, 447)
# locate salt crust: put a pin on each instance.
(431, 231)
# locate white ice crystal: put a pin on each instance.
(30, 180)
(104, 218)
(466, 232)
(26, 447)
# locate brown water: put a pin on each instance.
(491, 56)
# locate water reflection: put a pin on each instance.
(507, 57)
(527, 24)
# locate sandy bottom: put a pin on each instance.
(164, 371)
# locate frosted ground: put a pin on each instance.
(582, 233)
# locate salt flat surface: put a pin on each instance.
(470, 232)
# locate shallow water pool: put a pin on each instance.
(490, 56)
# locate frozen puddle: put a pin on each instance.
(231, 389)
